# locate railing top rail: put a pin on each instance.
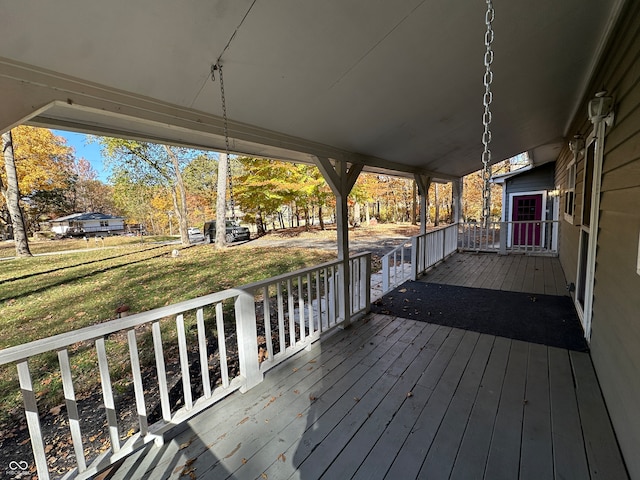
(409, 239)
(498, 222)
(63, 340)
(437, 229)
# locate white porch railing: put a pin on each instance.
(292, 310)
(396, 266)
(433, 247)
(536, 237)
(419, 253)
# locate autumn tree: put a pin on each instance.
(200, 178)
(158, 164)
(90, 194)
(11, 194)
(263, 188)
(133, 193)
(43, 175)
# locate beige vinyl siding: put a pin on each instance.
(568, 235)
(615, 335)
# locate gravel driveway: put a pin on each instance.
(378, 239)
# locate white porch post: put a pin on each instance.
(423, 182)
(341, 180)
(457, 188)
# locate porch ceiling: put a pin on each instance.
(394, 85)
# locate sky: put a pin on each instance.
(88, 151)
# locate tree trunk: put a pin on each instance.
(179, 206)
(320, 219)
(367, 213)
(221, 204)
(259, 223)
(437, 205)
(11, 195)
(356, 214)
(307, 222)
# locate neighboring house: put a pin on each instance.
(89, 224)
(529, 194)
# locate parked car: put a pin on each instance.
(195, 234)
(234, 232)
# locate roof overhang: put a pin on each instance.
(396, 86)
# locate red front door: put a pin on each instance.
(526, 214)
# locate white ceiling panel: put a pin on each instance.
(395, 83)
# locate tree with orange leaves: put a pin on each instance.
(38, 164)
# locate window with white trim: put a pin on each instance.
(570, 192)
(104, 223)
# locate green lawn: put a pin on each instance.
(46, 295)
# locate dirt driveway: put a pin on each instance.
(377, 239)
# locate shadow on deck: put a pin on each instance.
(397, 398)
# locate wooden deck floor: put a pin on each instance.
(516, 273)
(399, 399)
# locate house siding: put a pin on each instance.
(539, 178)
(615, 333)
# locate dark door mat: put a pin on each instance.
(546, 319)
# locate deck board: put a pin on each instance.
(443, 451)
(536, 451)
(570, 461)
(472, 455)
(348, 460)
(516, 273)
(380, 458)
(503, 459)
(408, 462)
(603, 454)
(394, 398)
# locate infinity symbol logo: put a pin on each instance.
(13, 465)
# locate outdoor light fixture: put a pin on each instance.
(576, 145)
(601, 108)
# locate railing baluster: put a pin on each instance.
(138, 388)
(386, 283)
(493, 235)
(161, 371)
(107, 394)
(301, 312)
(72, 409)
(396, 282)
(310, 303)
(184, 362)
(318, 302)
(222, 345)
(354, 277)
(33, 419)
(281, 328)
(337, 292)
(292, 319)
(204, 354)
(365, 282)
(266, 308)
(327, 297)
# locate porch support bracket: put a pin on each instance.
(341, 178)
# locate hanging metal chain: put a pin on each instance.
(486, 117)
(218, 66)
